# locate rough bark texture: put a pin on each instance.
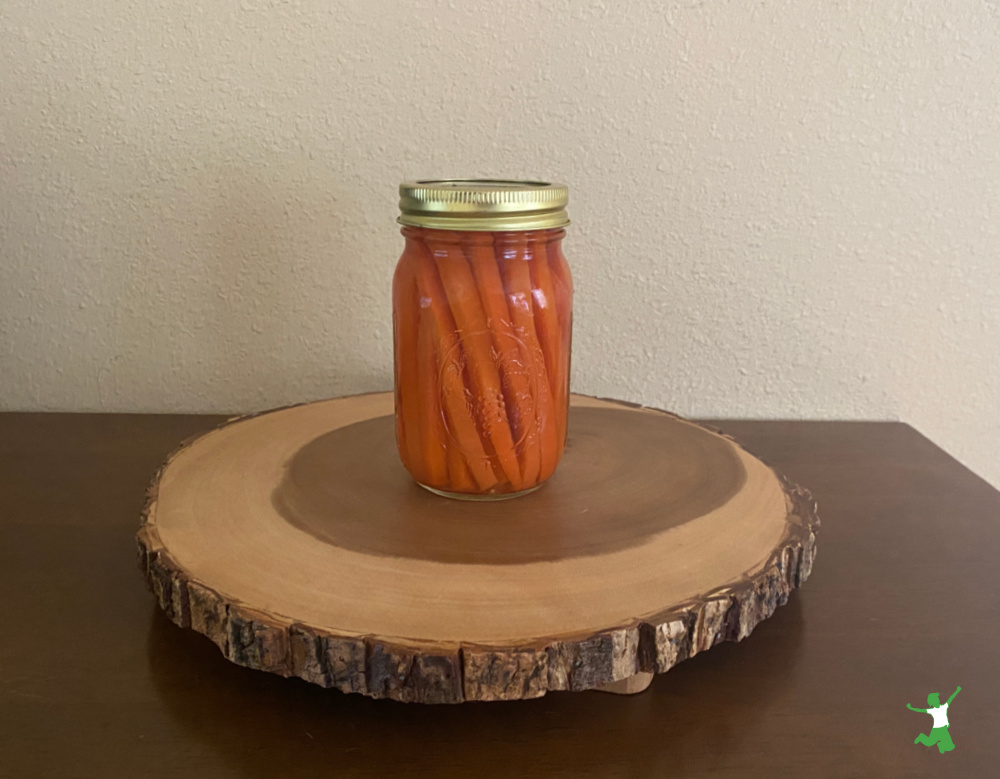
(382, 668)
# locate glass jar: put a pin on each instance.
(482, 317)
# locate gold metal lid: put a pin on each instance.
(483, 204)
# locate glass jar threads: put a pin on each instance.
(482, 315)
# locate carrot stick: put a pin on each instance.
(511, 258)
(463, 299)
(405, 321)
(512, 363)
(544, 309)
(547, 327)
(459, 477)
(562, 282)
(460, 418)
(432, 447)
(462, 424)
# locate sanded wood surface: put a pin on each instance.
(296, 542)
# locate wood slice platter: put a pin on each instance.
(298, 544)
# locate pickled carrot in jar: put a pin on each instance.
(482, 319)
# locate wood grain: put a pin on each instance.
(295, 542)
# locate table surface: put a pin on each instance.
(903, 601)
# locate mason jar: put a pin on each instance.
(482, 303)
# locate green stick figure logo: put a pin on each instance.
(939, 733)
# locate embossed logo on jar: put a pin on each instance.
(480, 392)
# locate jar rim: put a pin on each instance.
(483, 204)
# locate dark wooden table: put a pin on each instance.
(904, 600)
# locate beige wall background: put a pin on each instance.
(781, 209)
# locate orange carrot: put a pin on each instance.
(404, 299)
(513, 263)
(547, 327)
(433, 448)
(459, 477)
(484, 379)
(514, 381)
(457, 412)
(562, 284)
(544, 299)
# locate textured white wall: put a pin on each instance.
(781, 209)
